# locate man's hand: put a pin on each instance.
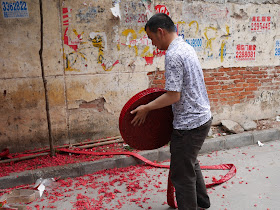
(141, 114)
(166, 99)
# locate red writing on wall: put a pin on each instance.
(159, 53)
(245, 52)
(66, 12)
(161, 9)
(260, 23)
(71, 43)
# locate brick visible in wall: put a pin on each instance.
(157, 79)
(97, 104)
(229, 86)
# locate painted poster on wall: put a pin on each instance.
(14, 9)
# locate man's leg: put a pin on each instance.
(203, 200)
(184, 149)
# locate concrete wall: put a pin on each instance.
(94, 61)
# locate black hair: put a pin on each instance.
(160, 20)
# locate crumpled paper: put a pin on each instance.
(41, 184)
(260, 144)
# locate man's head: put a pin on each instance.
(160, 20)
(161, 30)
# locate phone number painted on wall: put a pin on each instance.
(15, 9)
(245, 52)
(261, 23)
(196, 43)
(277, 48)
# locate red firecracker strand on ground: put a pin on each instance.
(170, 188)
(5, 152)
(58, 160)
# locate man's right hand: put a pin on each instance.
(141, 114)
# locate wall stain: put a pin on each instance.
(240, 16)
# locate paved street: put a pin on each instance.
(255, 186)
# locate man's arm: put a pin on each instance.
(166, 99)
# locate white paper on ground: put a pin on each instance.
(260, 144)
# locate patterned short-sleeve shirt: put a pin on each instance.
(183, 74)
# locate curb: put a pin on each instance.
(161, 154)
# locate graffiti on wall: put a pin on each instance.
(79, 45)
(205, 27)
(268, 97)
(132, 40)
(205, 39)
(139, 39)
(210, 35)
(99, 40)
(135, 14)
(72, 57)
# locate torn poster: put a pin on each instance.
(116, 10)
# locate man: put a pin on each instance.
(190, 105)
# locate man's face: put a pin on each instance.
(156, 38)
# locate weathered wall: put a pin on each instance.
(94, 62)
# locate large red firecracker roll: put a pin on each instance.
(155, 132)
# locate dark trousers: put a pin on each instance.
(185, 170)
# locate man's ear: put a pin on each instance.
(161, 31)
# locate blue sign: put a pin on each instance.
(196, 43)
(14, 9)
(277, 48)
(224, 51)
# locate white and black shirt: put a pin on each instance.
(183, 74)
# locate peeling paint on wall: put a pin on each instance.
(88, 14)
